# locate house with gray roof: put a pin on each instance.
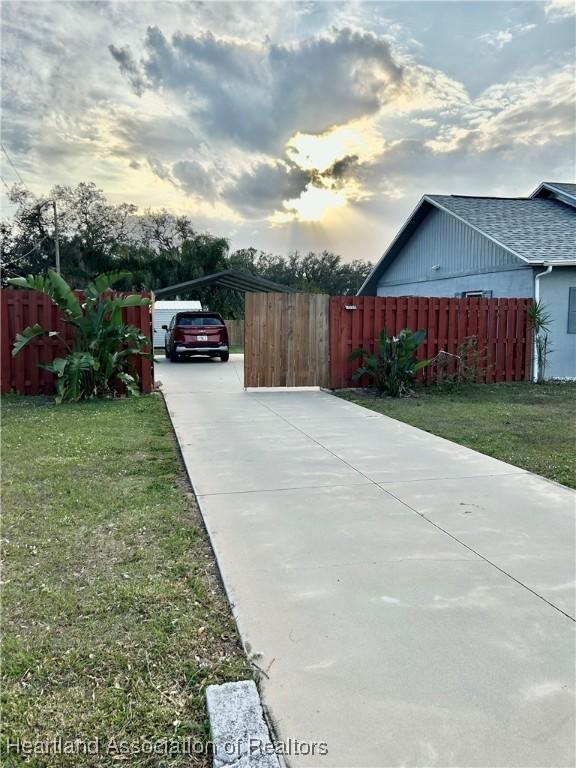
(454, 245)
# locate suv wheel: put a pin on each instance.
(224, 356)
(174, 357)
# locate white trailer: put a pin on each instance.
(164, 311)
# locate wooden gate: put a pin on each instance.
(287, 340)
(235, 332)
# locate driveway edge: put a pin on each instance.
(239, 731)
(268, 721)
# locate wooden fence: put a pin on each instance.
(20, 374)
(500, 327)
(286, 340)
(235, 332)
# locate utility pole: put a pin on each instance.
(56, 243)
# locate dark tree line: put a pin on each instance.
(157, 248)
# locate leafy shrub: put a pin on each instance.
(393, 366)
(467, 366)
(98, 363)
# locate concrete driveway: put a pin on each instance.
(409, 600)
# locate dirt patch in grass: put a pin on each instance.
(114, 618)
(529, 425)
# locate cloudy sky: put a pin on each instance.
(295, 124)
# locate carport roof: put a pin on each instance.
(230, 278)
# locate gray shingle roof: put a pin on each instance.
(568, 189)
(538, 230)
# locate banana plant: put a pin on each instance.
(393, 366)
(98, 363)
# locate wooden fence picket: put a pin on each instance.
(500, 327)
(21, 374)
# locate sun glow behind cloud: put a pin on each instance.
(320, 154)
(312, 205)
(320, 151)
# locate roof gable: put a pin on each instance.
(536, 230)
(558, 190)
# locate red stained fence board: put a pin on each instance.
(20, 374)
(500, 326)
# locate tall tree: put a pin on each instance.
(157, 248)
(323, 272)
(91, 232)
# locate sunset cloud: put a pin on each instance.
(498, 38)
(533, 110)
(259, 95)
(286, 125)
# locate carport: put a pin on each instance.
(229, 278)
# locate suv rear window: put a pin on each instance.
(198, 320)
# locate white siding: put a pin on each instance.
(164, 311)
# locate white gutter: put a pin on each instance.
(537, 277)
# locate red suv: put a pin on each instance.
(196, 333)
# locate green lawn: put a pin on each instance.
(530, 426)
(114, 619)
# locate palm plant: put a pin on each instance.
(393, 366)
(540, 321)
(98, 361)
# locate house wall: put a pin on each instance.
(465, 261)
(514, 282)
(445, 242)
(554, 290)
(468, 261)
